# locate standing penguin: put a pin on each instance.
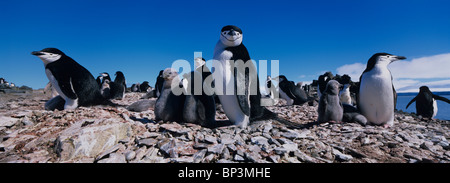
(271, 90)
(118, 87)
(199, 108)
(244, 105)
(322, 82)
(169, 107)
(426, 102)
(330, 108)
(344, 94)
(159, 83)
(105, 89)
(377, 97)
(74, 83)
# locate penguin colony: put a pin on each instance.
(372, 100)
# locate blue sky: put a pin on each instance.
(140, 38)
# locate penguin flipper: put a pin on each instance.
(67, 88)
(64, 82)
(395, 96)
(410, 102)
(437, 97)
(243, 100)
(321, 109)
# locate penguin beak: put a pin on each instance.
(232, 32)
(37, 53)
(401, 58)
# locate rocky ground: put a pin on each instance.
(106, 134)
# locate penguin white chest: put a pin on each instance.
(227, 96)
(376, 97)
(435, 108)
(344, 95)
(70, 103)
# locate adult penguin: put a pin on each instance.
(118, 87)
(377, 97)
(426, 102)
(238, 75)
(75, 84)
(291, 93)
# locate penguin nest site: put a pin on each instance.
(29, 133)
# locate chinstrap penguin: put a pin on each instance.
(344, 94)
(377, 96)
(271, 90)
(244, 105)
(293, 94)
(322, 82)
(199, 108)
(426, 105)
(119, 86)
(159, 83)
(330, 108)
(74, 83)
(169, 107)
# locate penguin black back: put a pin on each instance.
(425, 102)
(75, 81)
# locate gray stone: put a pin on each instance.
(238, 157)
(275, 158)
(130, 155)
(304, 157)
(8, 121)
(147, 142)
(26, 121)
(216, 149)
(90, 141)
(198, 156)
(183, 159)
(340, 156)
(259, 140)
(226, 139)
(114, 158)
(210, 139)
(108, 151)
(290, 134)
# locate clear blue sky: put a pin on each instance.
(140, 38)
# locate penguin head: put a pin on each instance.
(104, 74)
(383, 59)
(333, 87)
(281, 78)
(160, 75)
(424, 89)
(169, 74)
(48, 55)
(199, 62)
(231, 36)
(345, 79)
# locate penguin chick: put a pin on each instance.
(330, 108)
(169, 106)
